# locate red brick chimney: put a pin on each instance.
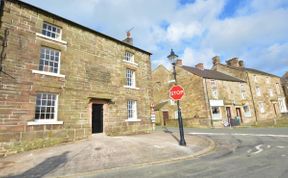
(179, 62)
(233, 62)
(200, 66)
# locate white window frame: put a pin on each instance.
(218, 115)
(278, 88)
(50, 33)
(267, 80)
(261, 107)
(255, 78)
(45, 62)
(42, 103)
(248, 113)
(132, 110)
(130, 78)
(282, 105)
(258, 91)
(214, 89)
(129, 57)
(270, 90)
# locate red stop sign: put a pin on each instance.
(176, 92)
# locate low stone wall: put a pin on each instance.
(16, 142)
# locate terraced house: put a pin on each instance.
(61, 81)
(226, 94)
(266, 91)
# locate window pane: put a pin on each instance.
(45, 106)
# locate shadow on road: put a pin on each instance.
(45, 167)
(171, 133)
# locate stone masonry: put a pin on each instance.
(92, 71)
(264, 88)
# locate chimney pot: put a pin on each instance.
(233, 62)
(216, 60)
(241, 63)
(179, 62)
(200, 66)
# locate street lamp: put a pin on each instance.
(173, 58)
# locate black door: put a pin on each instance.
(97, 118)
(165, 117)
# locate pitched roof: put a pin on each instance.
(251, 70)
(211, 74)
(75, 24)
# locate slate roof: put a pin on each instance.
(211, 74)
(37, 9)
(251, 70)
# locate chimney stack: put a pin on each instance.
(129, 39)
(179, 62)
(200, 66)
(233, 62)
(241, 63)
(216, 60)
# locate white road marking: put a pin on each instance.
(283, 155)
(258, 148)
(280, 146)
(249, 151)
(268, 146)
(240, 134)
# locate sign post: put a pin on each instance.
(176, 93)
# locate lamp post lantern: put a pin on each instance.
(173, 57)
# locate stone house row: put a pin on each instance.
(227, 94)
(61, 81)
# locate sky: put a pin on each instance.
(255, 31)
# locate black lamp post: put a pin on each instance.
(173, 57)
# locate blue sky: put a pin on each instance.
(255, 31)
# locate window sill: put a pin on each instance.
(134, 88)
(48, 73)
(216, 119)
(132, 120)
(132, 63)
(52, 39)
(36, 122)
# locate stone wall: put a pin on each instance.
(265, 83)
(94, 69)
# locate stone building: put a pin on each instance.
(61, 81)
(284, 81)
(264, 88)
(211, 98)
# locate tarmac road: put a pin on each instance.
(239, 153)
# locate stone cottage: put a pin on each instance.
(265, 89)
(61, 81)
(284, 81)
(211, 98)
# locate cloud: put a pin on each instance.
(191, 57)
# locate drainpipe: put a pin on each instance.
(252, 98)
(208, 103)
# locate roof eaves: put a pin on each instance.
(78, 25)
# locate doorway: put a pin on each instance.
(238, 113)
(229, 116)
(97, 118)
(165, 117)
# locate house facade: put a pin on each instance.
(211, 98)
(265, 89)
(284, 81)
(61, 81)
